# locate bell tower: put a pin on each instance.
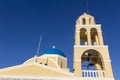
(91, 56)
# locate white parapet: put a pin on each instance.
(93, 73)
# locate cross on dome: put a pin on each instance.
(53, 46)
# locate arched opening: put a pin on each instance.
(92, 64)
(92, 60)
(94, 36)
(83, 36)
(83, 21)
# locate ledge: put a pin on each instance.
(93, 25)
(82, 46)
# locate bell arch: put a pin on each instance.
(94, 36)
(83, 21)
(83, 36)
(92, 60)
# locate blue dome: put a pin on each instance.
(54, 51)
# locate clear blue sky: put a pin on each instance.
(22, 22)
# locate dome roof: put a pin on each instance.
(54, 51)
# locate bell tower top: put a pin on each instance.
(85, 19)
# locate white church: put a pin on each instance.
(91, 60)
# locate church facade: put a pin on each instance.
(91, 58)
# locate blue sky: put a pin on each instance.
(23, 21)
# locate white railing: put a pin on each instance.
(93, 73)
